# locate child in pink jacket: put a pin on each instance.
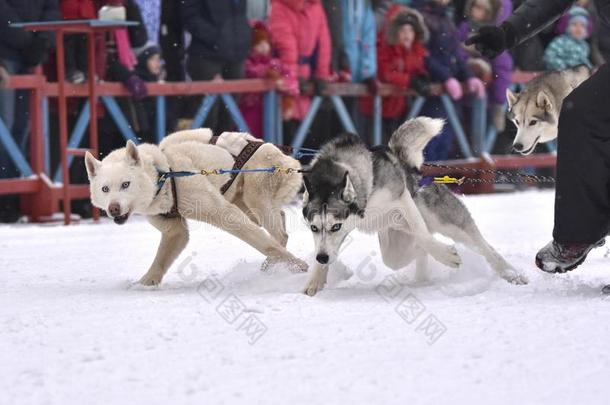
(262, 65)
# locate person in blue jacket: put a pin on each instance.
(359, 38)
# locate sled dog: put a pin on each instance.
(535, 111)
(351, 187)
(129, 181)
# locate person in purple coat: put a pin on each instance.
(447, 66)
(495, 73)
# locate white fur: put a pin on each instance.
(254, 200)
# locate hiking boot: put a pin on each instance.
(559, 257)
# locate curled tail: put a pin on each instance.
(410, 139)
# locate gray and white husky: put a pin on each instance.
(351, 187)
(535, 111)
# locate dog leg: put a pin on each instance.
(471, 237)
(415, 225)
(274, 221)
(460, 227)
(271, 218)
(227, 216)
(398, 248)
(317, 280)
(174, 237)
(421, 267)
(242, 206)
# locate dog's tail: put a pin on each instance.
(410, 139)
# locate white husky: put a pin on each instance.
(127, 181)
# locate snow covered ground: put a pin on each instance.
(74, 329)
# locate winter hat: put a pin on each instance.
(260, 33)
(148, 51)
(407, 16)
(578, 14)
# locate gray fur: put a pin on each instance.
(535, 111)
(388, 201)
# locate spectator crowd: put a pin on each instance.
(297, 43)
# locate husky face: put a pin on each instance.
(535, 117)
(119, 184)
(329, 211)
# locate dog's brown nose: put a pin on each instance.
(114, 209)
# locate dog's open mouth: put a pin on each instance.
(531, 149)
(120, 220)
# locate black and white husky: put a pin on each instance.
(351, 187)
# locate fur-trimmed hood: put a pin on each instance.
(402, 16)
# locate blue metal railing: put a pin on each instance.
(482, 140)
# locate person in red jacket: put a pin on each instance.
(401, 53)
(76, 44)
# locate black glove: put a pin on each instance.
(372, 85)
(36, 52)
(137, 87)
(492, 41)
(319, 85)
(303, 85)
(421, 84)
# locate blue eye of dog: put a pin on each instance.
(533, 122)
(335, 227)
(125, 185)
(314, 228)
(105, 189)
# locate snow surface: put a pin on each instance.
(74, 329)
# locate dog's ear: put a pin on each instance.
(511, 97)
(543, 101)
(92, 165)
(307, 188)
(133, 156)
(349, 192)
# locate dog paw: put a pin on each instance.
(313, 286)
(151, 279)
(447, 255)
(515, 278)
(298, 266)
(294, 265)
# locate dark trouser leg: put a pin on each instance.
(230, 71)
(582, 200)
(439, 148)
(201, 69)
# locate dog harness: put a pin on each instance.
(240, 160)
(246, 153)
(173, 212)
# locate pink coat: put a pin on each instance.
(300, 34)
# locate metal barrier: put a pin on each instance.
(41, 195)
